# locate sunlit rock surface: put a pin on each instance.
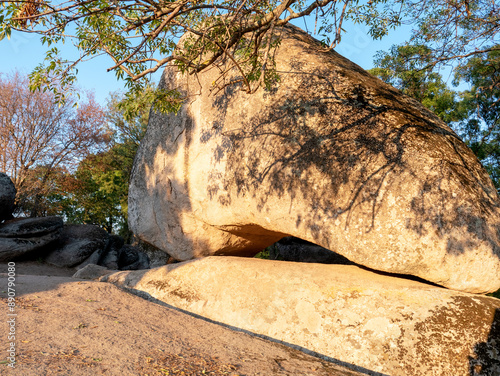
(369, 321)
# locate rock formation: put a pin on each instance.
(130, 258)
(111, 258)
(7, 197)
(81, 245)
(65, 246)
(77, 243)
(388, 325)
(331, 155)
(25, 236)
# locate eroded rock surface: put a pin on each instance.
(78, 242)
(67, 245)
(132, 258)
(384, 324)
(30, 227)
(19, 237)
(110, 259)
(330, 155)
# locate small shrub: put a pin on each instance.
(264, 254)
(495, 294)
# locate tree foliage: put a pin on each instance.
(70, 161)
(40, 138)
(482, 73)
(140, 36)
(461, 36)
(455, 30)
(97, 193)
(473, 113)
(481, 126)
(407, 68)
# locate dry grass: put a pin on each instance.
(185, 365)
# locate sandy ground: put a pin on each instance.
(65, 326)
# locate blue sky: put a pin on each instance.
(24, 52)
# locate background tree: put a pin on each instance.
(39, 138)
(473, 113)
(407, 68)
(97, 193)
(481, 127)
(39, 199)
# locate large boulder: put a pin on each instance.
(329, 154)
(7, 197)
(78, 242)
(373, 322)
(132, 258)
(27, 236)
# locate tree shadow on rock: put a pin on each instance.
(334, 142)
(361, 147)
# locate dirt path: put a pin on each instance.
(66, 326)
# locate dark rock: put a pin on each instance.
(12, 248)
(72, 254)
(7, 197)
(30, 227)
(110, 258)
(298, 250)
(92, 259)
(156, 256)
(78, 242)
(24, 236)
(132, 258)
(107, 256)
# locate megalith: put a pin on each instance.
(329, 154)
